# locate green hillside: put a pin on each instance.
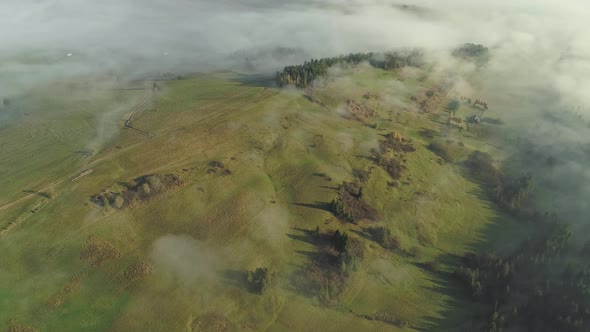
(215, 209)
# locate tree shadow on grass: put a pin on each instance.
(369, 157)
(428, 133)
(233, 277)
(331, 188)
(238, 279)
(325, 206)
(454, 315)
(442, 281)
(319, 175)
(459, 312)
(305, 235)
(363, 234)
(492, 121)
(311, 255)
(38, 193)
(84, 153)
(302, 238)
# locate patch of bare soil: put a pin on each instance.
(212, 322)
(431, 101)
(96, 251)
(15, 326)
(395, 142)
(71, 287)
(217, 167)
(358, 111)
(371, 95)
(137, 271)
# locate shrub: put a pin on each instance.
(432, 266)
(416, 252)
(142, 188)
(259, 279)
(154, 182)
(395, 142)
(327, 273)
(392, 166)
(453, 105)
(511, 192)
(470, 50)
(482, 167)
(119, 202)
(340, 242)
(447, 151)
(349, 205)
(216, 164)
(362, 175)
(383, 236)
(427, 235)
(145, 190)
(130, 197)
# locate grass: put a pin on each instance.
(46, 134)
(275, 143)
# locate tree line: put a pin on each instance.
(471, 50)
(301, 76)
(531, 289)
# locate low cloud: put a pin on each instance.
(540, 38)
(539, 54)
(184, 259)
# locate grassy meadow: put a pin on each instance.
(178, 261)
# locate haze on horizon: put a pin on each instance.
(536, 80)
(540, 58)
(200, 35)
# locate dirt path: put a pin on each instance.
(136, 110)
(32, 194)
(128, 124)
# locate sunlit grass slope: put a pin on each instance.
(175, 262)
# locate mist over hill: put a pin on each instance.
(537, 48)
(238, 165)
(201, 34)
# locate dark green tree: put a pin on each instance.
(453, 105)
(340, 242)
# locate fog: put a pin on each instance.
(184, 258)
(537, 80)
(540, 58)
(542, 40)
(203, 35)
